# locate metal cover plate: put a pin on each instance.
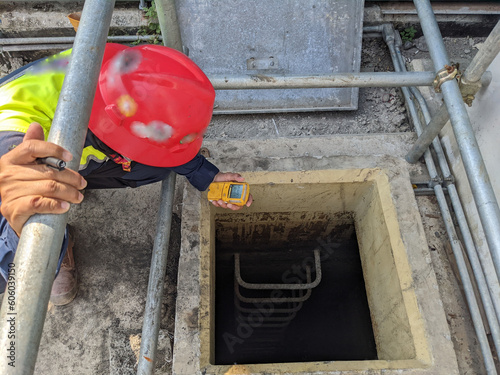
(275, 37)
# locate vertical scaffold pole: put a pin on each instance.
(167, 17)
(35, 263)
(152, 318)
(479, 181)
(169, 24)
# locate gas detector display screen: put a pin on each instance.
(236, 191)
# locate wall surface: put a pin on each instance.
(485, 117)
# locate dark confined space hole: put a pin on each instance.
(332, 323)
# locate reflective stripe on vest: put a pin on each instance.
(90, 153)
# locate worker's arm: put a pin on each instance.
(201, 173)
(28, 188)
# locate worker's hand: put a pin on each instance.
(28, 188)
(235, 177)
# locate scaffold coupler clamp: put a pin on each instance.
(468, 90)
(448, 181)
(448, 73)
(434, 182)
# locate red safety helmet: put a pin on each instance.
(152, 104)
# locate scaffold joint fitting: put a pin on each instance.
(448, 73)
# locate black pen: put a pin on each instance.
(53, 163)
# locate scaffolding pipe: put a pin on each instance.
(474, 73)
(436, 143)
(467, 284)
(430, 133)
(364, 79)
(62, 1)
(70, 40)
(486, 276)
(484, 57)
(151, 324)
(169, 24)
(438, 190)
(479, 181)
(167, 18)
(39, 247)
(482, 267)
(34, 47)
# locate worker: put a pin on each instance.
(151, 109)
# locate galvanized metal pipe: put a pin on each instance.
(151, 324)
(475, 72)
(169, 24)
(40, 243)
(35, 47)
(484, 57)
(467, 283)
(364, 79)
(436, 143)
(482, 267)
(71, 39)
(372, 29)
(432, 130)
(430, 133)
(475, 168)
(167, 17)
(438, 190)
(61, 1)
(482, 264)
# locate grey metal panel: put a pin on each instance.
(275, 37)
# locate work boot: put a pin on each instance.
(65, 285)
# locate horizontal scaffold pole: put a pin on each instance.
(364, 79)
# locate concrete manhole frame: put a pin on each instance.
(381, 181)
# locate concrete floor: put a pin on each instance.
(114, 229)
(99, 332)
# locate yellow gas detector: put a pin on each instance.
(236, 193)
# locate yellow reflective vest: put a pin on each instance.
(33, 97)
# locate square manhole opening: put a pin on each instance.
(289, 287)
(314, 276)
